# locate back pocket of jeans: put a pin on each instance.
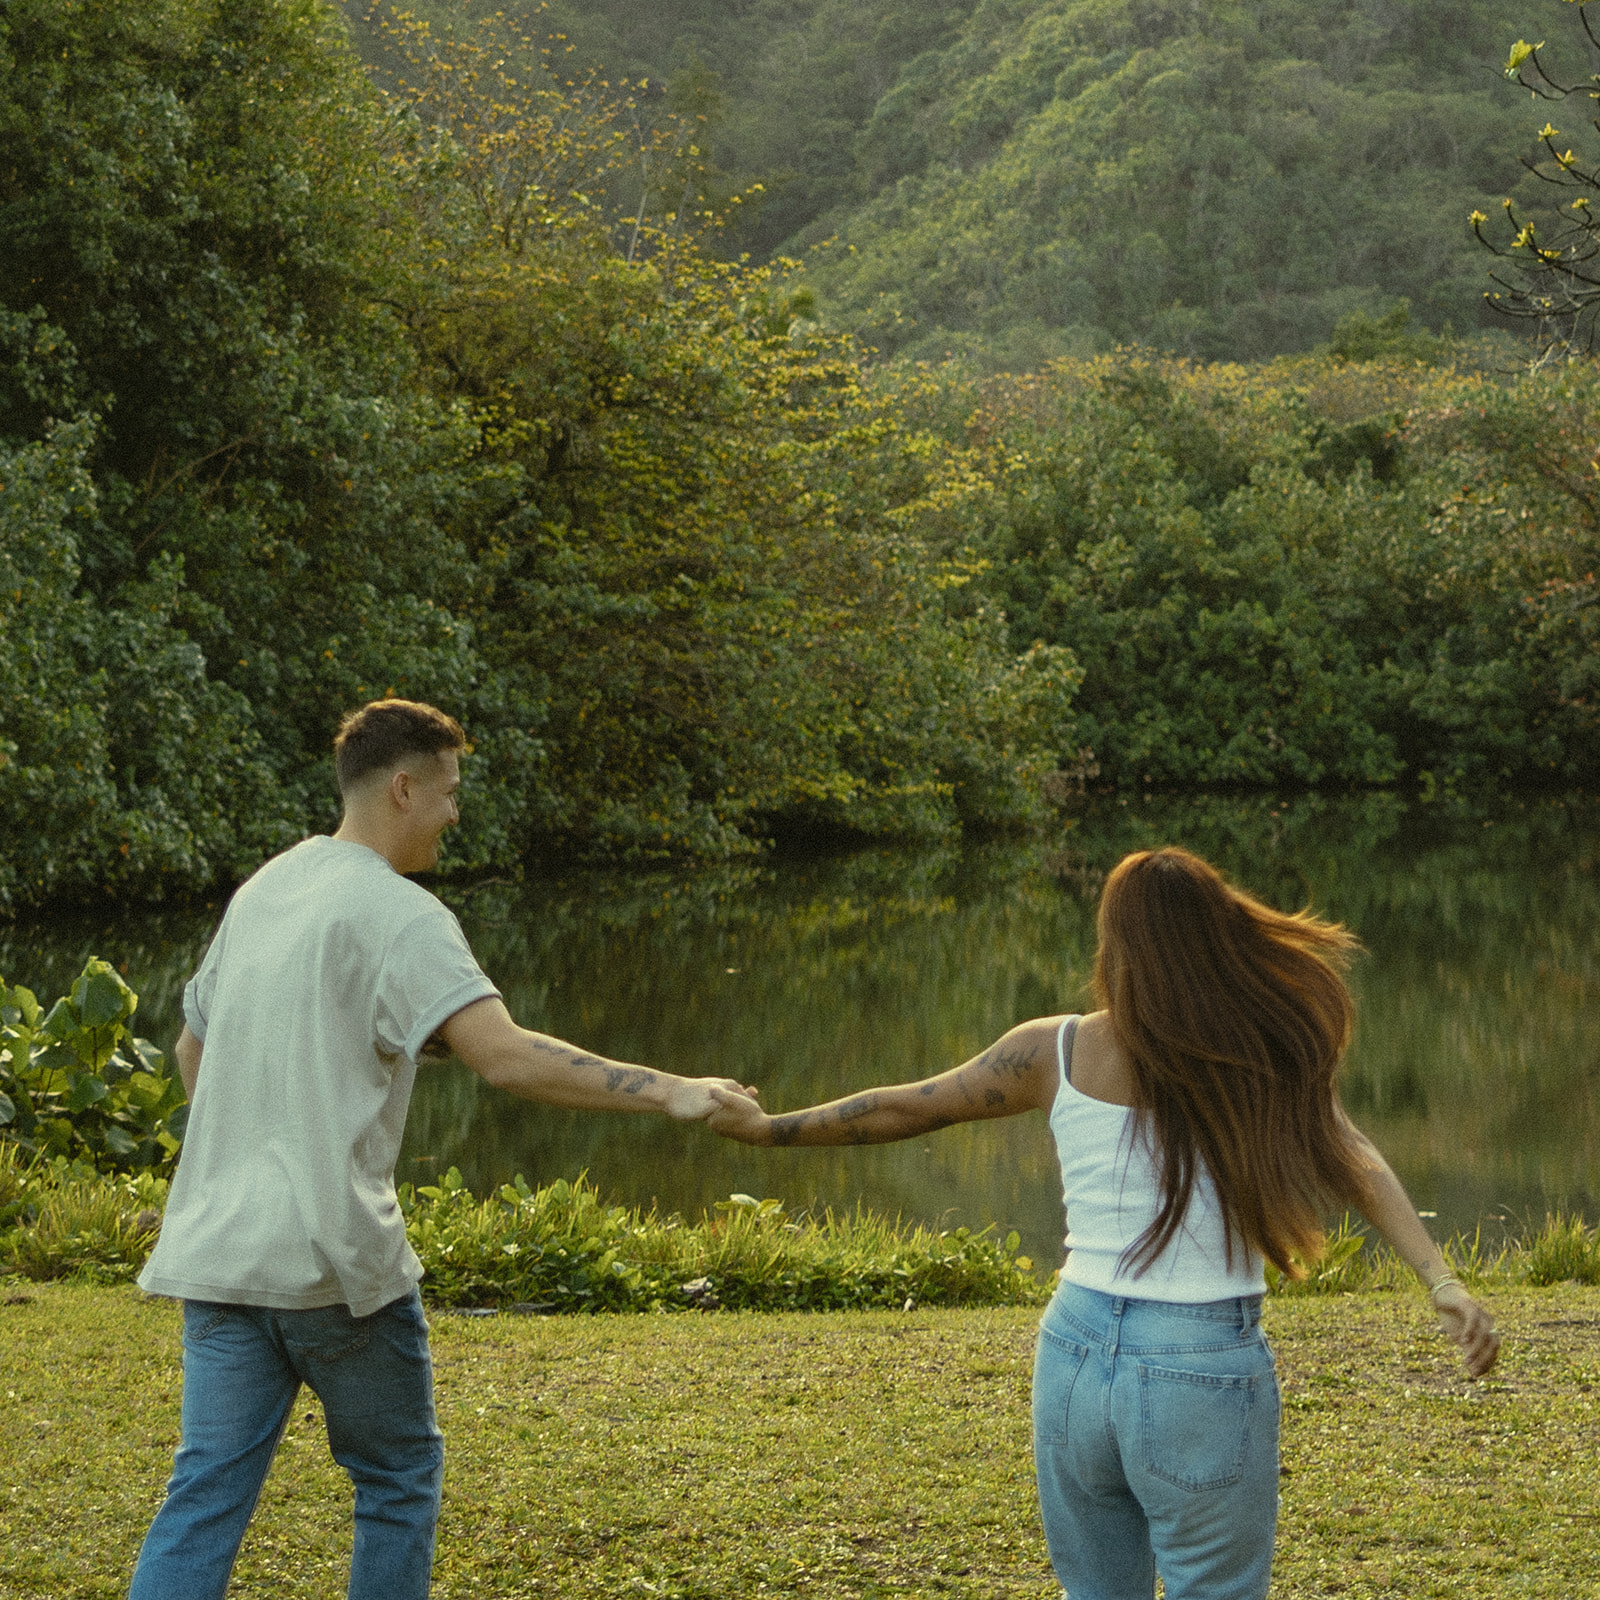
(1056, 1369)
(1195, 1426)
(327, 1334)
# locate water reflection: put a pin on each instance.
(1476, 1061)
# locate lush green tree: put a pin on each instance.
(196, 207)
(718, 566)
(1223, 179)
(313, 392)
(1319, 572)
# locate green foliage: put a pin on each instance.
(1565, 1250)
(62, 1217)
(1221, 180)
(1323, 571)
(1024, 181)
(312, 390)
(561, 1248)
(1018, 182)
(1357, 336)
(75, 1083)
(311, 393)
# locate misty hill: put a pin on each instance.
(1026, 178)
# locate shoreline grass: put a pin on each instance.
(562, 1248)
(836, 1456)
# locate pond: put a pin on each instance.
(1476, 1064)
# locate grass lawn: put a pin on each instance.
(826, 1455)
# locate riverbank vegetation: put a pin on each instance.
(315, 389)
(844, 1455)
(563, 1248)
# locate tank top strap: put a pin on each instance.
(1065, 1034)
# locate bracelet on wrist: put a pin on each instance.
(1442, 1283)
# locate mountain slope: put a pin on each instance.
(1026, 178)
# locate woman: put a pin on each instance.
(1198, 1124)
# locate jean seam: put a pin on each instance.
(214, 1318)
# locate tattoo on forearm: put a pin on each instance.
(627, 1080)
(849, 1116)
(785, 1130)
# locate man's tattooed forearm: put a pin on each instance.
(627, 1080)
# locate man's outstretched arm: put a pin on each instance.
(539, 1067)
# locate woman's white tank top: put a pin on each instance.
(1112, 1187)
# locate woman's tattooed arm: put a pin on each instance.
(1015, 1074)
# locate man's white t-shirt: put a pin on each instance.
(327, 977)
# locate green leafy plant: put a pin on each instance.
(562, 1248)
(75, 1082)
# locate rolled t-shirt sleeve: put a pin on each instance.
(428, 974)
(197, 992)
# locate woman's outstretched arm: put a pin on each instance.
(1388, 1208)
(1016, 1073)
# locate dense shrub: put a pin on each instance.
(561, 1248)
(76, 1085)
(1312, 572)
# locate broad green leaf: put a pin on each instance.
(119, 1142)
(8, 1111)
(62, 1020)
(49, 1067)
(147, 1090)
(20, 1006)
(151, 1059)
(101, 996)
(85, 1090)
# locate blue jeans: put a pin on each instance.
(1155, 1439)
(242, 1368)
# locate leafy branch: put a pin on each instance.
(1552, 273)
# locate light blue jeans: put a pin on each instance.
(1155, 1439)
(242, 1368)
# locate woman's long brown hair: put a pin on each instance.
(1234, 1018)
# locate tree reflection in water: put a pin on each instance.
(1475, 1065)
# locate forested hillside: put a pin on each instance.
(318, 383)
(304, 400)
(1028, 178)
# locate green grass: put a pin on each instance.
(562, 1248)
(829, 1455)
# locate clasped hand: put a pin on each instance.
(705, 1099)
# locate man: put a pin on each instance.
(303, 1027)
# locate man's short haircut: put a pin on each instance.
(382, 733)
